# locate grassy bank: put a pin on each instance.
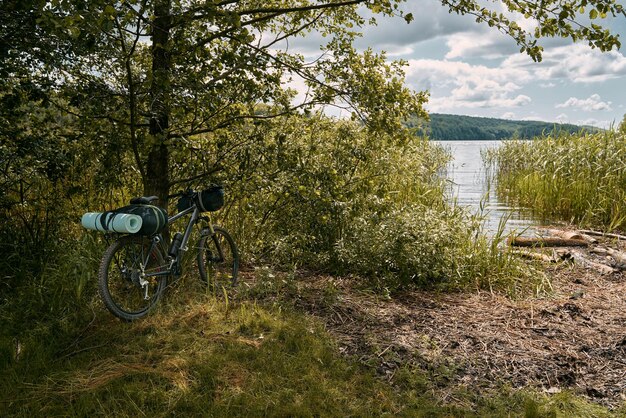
(205, 355)
(575, 178)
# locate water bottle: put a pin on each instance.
(175, 245)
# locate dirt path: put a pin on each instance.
(574, 339)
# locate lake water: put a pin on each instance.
(471, 188)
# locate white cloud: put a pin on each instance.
(476, 69)
(460, 84)
(393, 34)
(592, 103)
(508, 115)
(534, 118)
(604, 124)
(431, 21)
(577, 62)
(487, 45)
(562, 118)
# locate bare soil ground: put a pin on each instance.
(572, 339)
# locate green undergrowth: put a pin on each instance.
(333, 196)
(579, 178)
(207, 353)
(303, 192)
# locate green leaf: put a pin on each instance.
(593, 14)
(74, 31)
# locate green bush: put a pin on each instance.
(300, 181)
(334, 196)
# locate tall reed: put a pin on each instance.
(579, 178)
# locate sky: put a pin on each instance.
(472, 69)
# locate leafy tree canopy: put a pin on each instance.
(165, 73)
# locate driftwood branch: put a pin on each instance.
(618, 256)
(546, 242)
(579, 258)
(603, 234)
(569, 235)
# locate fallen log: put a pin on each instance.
(579, 258)
(569, 234)
(617, 255)
(602, 234)
(589, 239)
(562, 234)
(546, 242)
(533, 255)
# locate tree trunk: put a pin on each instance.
(157, 170)
(157, 174)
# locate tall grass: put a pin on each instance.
(579, 178)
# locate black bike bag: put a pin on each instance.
(211, 199)
(153, 218)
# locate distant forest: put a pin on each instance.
(456, 127)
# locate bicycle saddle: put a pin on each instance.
(144, 200)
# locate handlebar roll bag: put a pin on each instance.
(184, 202)
(211, 199)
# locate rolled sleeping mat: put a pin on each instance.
(113, 222)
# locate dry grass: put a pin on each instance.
(572, 340)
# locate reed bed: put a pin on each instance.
(578, 178)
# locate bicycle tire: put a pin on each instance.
(218, 258)
(119, 273)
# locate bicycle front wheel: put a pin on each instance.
(218, 258)
(126, 280)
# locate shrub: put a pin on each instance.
(332, 195)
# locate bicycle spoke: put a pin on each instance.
(125, 287)
(218, 259)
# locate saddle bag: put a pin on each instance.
(153, 218)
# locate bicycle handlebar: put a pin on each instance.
(188, 192)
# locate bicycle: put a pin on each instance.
(134, 270)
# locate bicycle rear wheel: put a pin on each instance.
(218, 258)
(124, 282)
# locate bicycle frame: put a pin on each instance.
(195, 217)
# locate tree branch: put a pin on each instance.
(214, 170)
(196, 13)
(285, 10)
